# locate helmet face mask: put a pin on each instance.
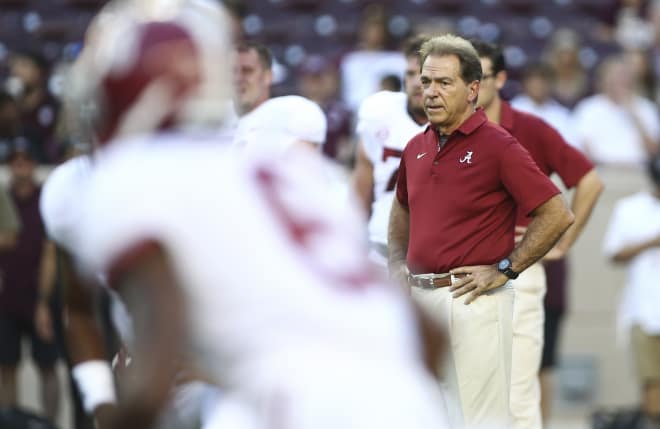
(151, 65)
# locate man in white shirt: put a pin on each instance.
(616, 126)
(386, 122)
(633, 238)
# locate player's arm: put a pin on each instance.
(586, 194)
(150, 290)
(42, 318)
(85, 345)
(363, 179)
(398, 236)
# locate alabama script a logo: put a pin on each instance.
(467, 158)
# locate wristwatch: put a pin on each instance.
(504, 267)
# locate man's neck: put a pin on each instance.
(451, 128)
(245, 111)
(494, 110)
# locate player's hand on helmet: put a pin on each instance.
(476, 280)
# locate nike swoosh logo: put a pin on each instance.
(420, 155)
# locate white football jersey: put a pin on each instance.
(269, 261)
(385, 128)
(60, 200)
(278, 122)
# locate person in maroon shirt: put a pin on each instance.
(452, 227)
(552, 155)
(27, 278)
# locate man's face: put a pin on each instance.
(617, 82)
(252, 81)
(413, 86)
(490, 83)
(21, 167)
(537, 88)
(447, 98)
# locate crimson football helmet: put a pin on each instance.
(149, 65)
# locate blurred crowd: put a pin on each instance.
(603, 101)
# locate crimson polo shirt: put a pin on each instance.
(547, 147)
(462, 199)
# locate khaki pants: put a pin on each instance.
(478, 373)
(528, 316)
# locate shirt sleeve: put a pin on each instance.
(520, 175)
(568, 162)
(9, 221)
(401, 184)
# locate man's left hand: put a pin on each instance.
(478, 279)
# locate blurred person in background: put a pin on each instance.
(551, 154)
(632, 28)
(363, 69)
(642, 72)
(290, 115)
(616, 126)
(633, 239)
(28, 278)
(319, 81)
(386, 122)
(536, 98)
(9, 223)
(390, 83)
(571, 82)
(9, 124)
(28, 83)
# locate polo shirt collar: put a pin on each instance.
(477, 119)
(506, 116)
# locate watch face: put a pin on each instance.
(504, 264)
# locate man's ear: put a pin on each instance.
(269, 77)
(473, 91)
(500, 79)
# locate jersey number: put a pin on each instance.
(392, 153)
(304, 233)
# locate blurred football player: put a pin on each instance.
(242, 263)
(386, 122)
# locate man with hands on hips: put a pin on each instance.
(451, 229)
